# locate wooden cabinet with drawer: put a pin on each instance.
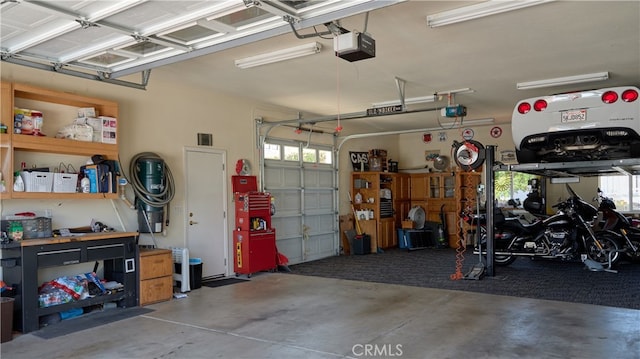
(156, 276)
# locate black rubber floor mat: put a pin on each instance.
(87, 321)
(221, 282)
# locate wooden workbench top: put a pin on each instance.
(76, 238)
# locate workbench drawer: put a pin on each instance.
(107, 251)
(156, 290)
(59, 257)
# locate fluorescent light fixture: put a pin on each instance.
(569, 80)
(279, 55)
(565, 180)
(456, 91)
(407, 101)
(483, 9)
(482, 121)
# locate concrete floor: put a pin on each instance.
(278, 315)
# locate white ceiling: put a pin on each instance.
(489, 55)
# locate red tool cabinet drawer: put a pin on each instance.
(255, 251)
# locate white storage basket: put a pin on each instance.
(37, 181)
(65, 182)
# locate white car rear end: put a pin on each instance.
(578, 126)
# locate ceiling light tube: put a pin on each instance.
(407, 101)
(476, 11)
(482, 121)
(456, 91)
(279, 55)
(559, 81)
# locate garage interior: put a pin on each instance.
(178, 74)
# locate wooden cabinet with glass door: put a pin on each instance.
(444, 193)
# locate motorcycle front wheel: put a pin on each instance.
(609, 253)
(631, 255)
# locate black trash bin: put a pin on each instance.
(195, 273)
(362, 244)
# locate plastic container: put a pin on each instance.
(362, 244)
(36, 227)
(37, 181)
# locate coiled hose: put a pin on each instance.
(152, 199)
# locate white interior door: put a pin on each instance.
(206, 208)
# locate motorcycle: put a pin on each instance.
(565, 235)
(619, 227)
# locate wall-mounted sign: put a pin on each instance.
(359, 160)
(468, 134)
(442, 136)
(426, 137)
(379, 111)
(508, 157)
(496, 132)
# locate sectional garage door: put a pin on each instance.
(302, 180)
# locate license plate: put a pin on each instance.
(573, 116)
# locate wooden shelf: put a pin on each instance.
(59, 106)
(63, 146)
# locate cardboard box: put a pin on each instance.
(109, 129)
(408, 224)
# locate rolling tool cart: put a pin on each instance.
(254, 240)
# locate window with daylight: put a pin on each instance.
(511, 185)
(325, 157)
(309, 155)
(624, 190)
(291, 153)
(272, 152)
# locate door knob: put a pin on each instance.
(191, 223)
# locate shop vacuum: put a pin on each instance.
(153, 186)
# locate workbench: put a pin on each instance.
(21, 261)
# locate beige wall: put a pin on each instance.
(412, 147)
(163, 119)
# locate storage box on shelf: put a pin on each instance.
(59, 109)
(36, 227)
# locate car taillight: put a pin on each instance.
(609, 97)
(540, 105)
(524, 107)
(629, 95)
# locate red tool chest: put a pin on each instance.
(254, 240)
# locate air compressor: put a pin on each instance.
(154, 189)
